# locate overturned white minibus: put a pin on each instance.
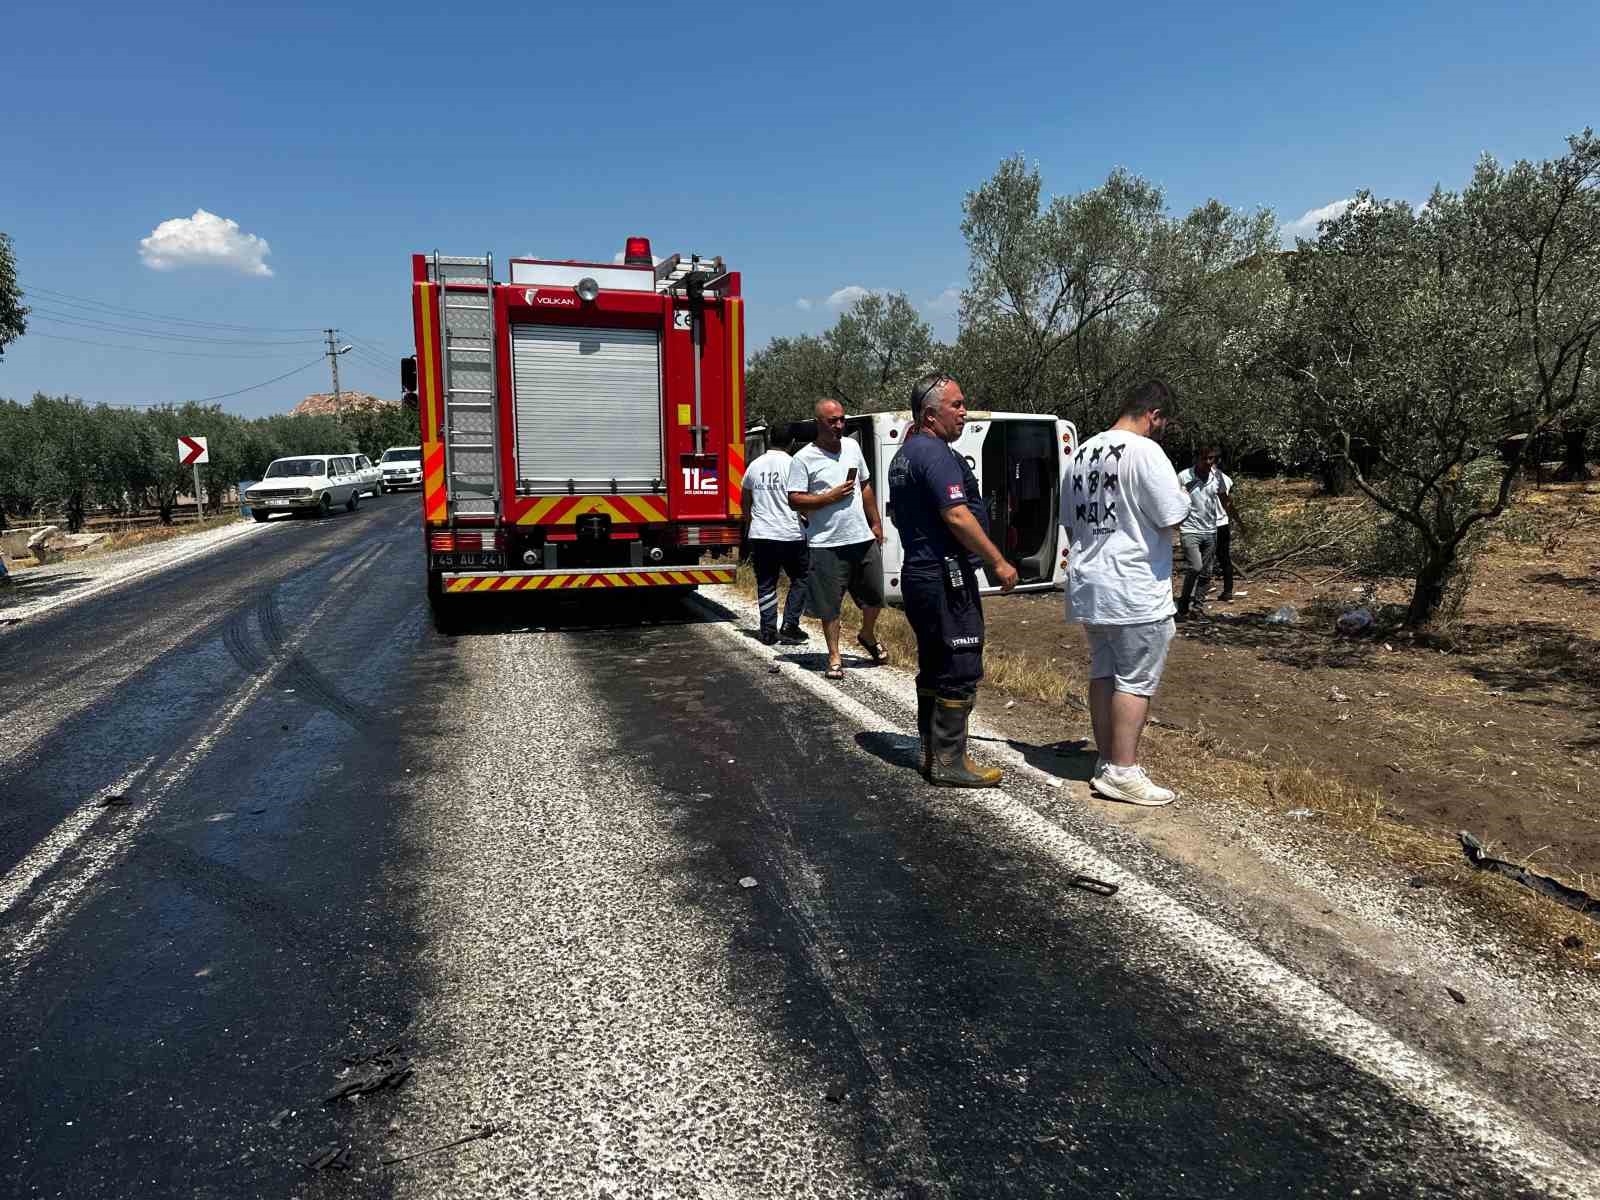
(1019, 459)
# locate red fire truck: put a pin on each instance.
(582, 423)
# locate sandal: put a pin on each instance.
(834, 671)
(873, 648)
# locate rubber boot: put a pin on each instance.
(951, 766)
(925, 703)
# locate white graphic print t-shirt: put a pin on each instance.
(771, 518)
(1120, 498)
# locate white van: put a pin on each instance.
(1019, 459)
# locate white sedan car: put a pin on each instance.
(306, 483)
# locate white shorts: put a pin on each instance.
(1132, 655)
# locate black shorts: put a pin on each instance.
(835, 570)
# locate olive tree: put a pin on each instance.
(1071, 301)
(1432, 348)
(13, 315)
(866, 361)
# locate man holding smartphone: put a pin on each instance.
(831, 486)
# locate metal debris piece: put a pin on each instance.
(117, 801)
(488, 1130)
(1456, 996)
(749, 881)
(324, 1158)
(1572, 897)
(1090, 884)
(279, 1117)
(1338, 697)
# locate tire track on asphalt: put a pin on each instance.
(47, 887)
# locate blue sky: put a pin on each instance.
(816, 147)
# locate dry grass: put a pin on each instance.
(1345, 819)
(151, 535)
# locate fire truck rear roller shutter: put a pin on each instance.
(588, 407)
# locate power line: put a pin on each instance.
(68, 318)
(61, 337)
(85, 302)
(223, 395)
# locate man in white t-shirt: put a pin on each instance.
(775, 539)
(1209, 507)
(1121, 500)
(831, 486)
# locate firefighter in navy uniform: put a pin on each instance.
(943, 524)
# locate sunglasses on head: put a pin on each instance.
(919, 398)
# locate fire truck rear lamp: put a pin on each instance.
(445, 541)
(636, 253)
(588, 290)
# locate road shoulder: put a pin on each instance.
(41, 590)
(1396, 955)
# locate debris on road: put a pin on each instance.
(1288, 614)
(1089, 883)
(749, 881)
(116, 801)
(1574, 898)
(387, 1071)
(329, 1158)
(1301, 813)
(279, 1117)
(488, 1130)
(1456, 996)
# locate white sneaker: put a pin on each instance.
(1131, 785)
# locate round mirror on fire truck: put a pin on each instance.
(588, 290)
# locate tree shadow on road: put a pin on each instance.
(26, 588)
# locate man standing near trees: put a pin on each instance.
(1122, 502)
(1209, 505)
(830, 485)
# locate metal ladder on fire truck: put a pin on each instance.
(466, 354)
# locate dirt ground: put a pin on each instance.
(1491, 726)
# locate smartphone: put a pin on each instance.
(850, 475)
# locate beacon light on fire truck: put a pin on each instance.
(582, 423)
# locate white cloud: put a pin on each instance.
(1306, 226)
(847, 295)
(204, 240)
(946, 303)
(803, 304)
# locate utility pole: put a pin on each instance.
(333, 357)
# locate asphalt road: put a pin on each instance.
(266, 835)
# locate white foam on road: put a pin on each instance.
(1499, 1132)
(115, 570)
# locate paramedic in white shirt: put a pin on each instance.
(1121, 500)
(775, 539)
